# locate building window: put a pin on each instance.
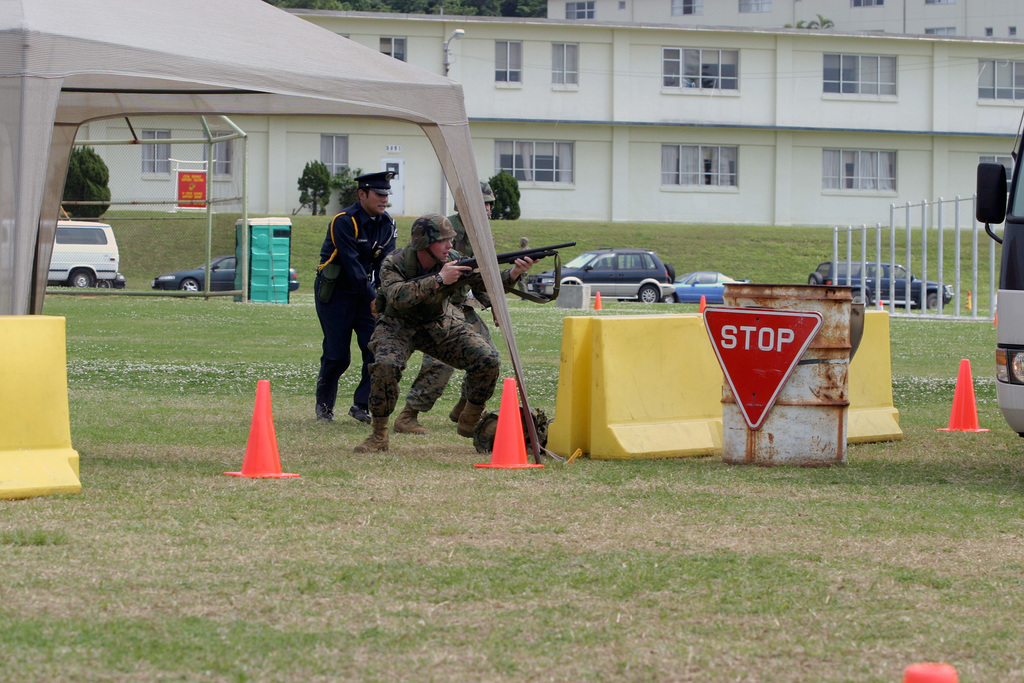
(859, 74)
(941, 31)
(940, 2)
(223, 154)
(683, 7)
(866, 3)
(755, 6)
(1005, 159)
(988, 31)
(579, 10)
(508, 61)
(1013, 30)
(856, 169)
(698, 165)
(393, 47)
(622, 4)
(156, 159)
(541, 162)
(564, 64)
(710, 69)
(334, 152)
(1000, 80)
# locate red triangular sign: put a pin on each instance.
(758, 349)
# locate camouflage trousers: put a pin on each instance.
(430, 383)
(451, 340)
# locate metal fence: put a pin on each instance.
(178, 185)
(942, 248)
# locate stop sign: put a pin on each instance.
(758, 350)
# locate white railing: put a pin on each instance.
(918, 237)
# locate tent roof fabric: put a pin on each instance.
(226, 50)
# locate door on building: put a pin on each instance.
(396, 166)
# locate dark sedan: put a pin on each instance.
(691, 286)
(222, 277)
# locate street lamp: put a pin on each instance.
(456, 35)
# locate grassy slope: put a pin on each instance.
(152, 244)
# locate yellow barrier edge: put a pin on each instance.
(36, 457)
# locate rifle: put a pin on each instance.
(511, 256)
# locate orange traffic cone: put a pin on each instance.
(930, 673)
(261, 457)
(509, 443)
(964, 416)
(597, 307)
(703, 303)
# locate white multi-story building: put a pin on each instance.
(975, 18)
(640, 119)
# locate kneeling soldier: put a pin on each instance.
(416, 287)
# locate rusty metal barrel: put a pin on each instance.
(807, 424)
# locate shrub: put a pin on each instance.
(506, 197)
(315, 187)
(345, 183)
(88, 180)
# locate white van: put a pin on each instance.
(85, 254)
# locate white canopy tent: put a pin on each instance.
(67, 62)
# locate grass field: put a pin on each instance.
(415, 565)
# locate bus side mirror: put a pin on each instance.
(991, 206)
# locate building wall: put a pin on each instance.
(619, 115)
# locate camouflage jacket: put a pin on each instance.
(414, 297)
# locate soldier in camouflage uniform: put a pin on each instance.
(417, 284)
(434, 375)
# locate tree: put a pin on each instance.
(345, 183)
(820, 22)
(506, 197)
(524, 8)
(315, 187)
(486, 8)
(88, 180)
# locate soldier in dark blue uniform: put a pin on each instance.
(357, 241)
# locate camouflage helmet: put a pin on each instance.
(429, 229)
(485, 189)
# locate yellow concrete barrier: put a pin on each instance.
(634, 387)
(650, 388)
(572, 401)
(36, 457)
(872, 416)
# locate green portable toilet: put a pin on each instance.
(270, 250)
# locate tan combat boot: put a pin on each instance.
(468, 419)
(457, 410)
(406, 422)
(378, 441)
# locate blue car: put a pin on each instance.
(691, 286)
(222, 277)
